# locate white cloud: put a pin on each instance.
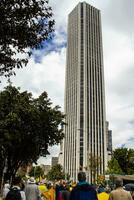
(49, 75)
(119, 72)
(45, 76)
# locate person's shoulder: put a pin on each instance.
(119, 190)
(113, 191)
(89, 187)
(29, 185)
(127, 192)
(84, 187)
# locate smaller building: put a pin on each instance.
(126, 178)
(54, 161)
(60, 157)
(45, 168)
(108, 141)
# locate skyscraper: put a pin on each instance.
(85, 132)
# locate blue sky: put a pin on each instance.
(51, 45)
(46, 68)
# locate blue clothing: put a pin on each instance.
(101, 189)
(83, 191)
(83, 183)
(58, 189)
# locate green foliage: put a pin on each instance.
(114, 167)
(125, 159)
(36, 172)
(27, 127)
(24, 25)
(56, 173)
(122, 161)
(67, 177)
(94, 163)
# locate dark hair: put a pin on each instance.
(81, 176)
(16, 180)
(119, 182)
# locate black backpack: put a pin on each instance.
(13, 194)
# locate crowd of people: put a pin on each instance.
(61, 190)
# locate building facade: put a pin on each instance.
(54, 161)
(85, 132)
(108, 141)
(45, 168)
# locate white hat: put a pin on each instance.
(31, 180)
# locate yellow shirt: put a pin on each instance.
(42, 188)
(103, 196)
(50, 194)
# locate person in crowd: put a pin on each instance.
(22, 185)
(42, 187)
(72, 185)
(83, 189)
(31, 190)
(65, 194)
(6, 189)
(15, 191)
(119, 193)
(50, 194)
(1, 197)
(59, 187)
(102, 195)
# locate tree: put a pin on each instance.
(125, 158)
(24, 25)
(56, 173)
(113, 167)
(22, 171)
(36, 172)
(94, 163)
(122, 161)
(27, 127)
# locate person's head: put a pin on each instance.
(16, 181)
(119, 182)
(49, 185)
(81, 176)
(32, 180)
(60, 182)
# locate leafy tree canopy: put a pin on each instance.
(122, 161)
(24, 24)
(94, 163)
(56, 173)
(125, 158)
(114, 167)
(36, 172)
(27, 127)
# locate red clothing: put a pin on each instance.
(60, 196)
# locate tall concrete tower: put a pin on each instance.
(85, 132)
